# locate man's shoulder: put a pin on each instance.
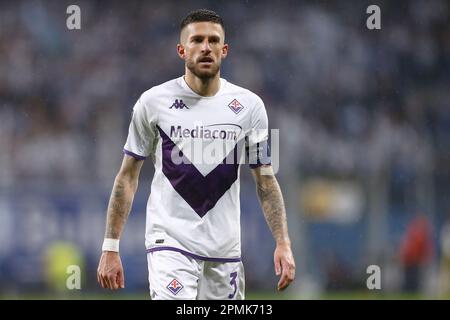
(163, 89)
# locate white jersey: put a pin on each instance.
(194, 205)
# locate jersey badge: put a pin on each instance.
(236, 106)
(175, 286)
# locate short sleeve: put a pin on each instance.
(258, 137)
(140, 134)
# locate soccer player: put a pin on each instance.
(193, 212)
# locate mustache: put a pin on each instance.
(205, 59)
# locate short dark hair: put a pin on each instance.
(202, 15)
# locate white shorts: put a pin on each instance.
(174, 275)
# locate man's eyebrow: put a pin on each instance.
(215, 36)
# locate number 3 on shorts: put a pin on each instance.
(233, 277)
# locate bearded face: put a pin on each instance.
(204, 67)
(203, 48)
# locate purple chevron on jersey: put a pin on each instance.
(200, 192)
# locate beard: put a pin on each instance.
(203, 74)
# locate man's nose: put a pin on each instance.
(206, 47)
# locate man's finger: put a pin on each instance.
(113, 281)
(277, 263)
(100, 280)
(283, 279)
(116, 281)
(287, 275)
(121, 279)
(282, 283)
(290, 270)
(107, 282)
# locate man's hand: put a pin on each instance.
(110, 271)
(284, 265)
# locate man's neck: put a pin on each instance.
(204, 87)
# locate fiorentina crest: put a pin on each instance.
(236, 106)
(175, 286)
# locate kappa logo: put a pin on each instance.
(175, 286)
(236, 106)
(179, 105)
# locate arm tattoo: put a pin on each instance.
(119, 208)
(271, 200)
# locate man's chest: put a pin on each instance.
(206, 131)
(184, 117)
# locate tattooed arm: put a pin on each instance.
(125, 186)
(271, 200)
(110, 271)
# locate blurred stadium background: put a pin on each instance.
(364, 120)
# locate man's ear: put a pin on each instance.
(224, 51)
(181, 51)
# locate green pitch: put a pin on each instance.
(348, 295)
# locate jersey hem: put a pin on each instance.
(193, 255)
(134, 155)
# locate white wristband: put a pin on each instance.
(110, 245)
